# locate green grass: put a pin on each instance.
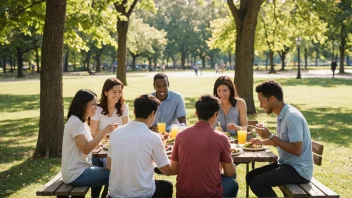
(326, 104)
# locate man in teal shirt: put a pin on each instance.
(293, 142)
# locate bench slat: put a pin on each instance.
(79, 191)
(312, 190)
(48, 189)
(64, 190)
(317, 159)
(317, 148)
(327, 191)
(293, 190)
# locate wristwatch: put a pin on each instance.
(271, 136)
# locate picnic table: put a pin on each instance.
(247, 157)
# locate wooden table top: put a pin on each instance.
(245, 157)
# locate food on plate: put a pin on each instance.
(170, 141)
(235, 150)
(227, 134)
(252, 146)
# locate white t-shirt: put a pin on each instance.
(133, 149)
(74, 162)
(104, 120)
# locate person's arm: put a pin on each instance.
(295, 148)
(174, 167)
(125, 115)
(182, 119)
(181, 111)
(87, 146)
(263, 142)
(94, 127)
(229, 169)
(108, 163)
(242, 110)
(166, 170)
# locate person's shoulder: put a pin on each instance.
(176, 95)
(99, 109)
(294, 113)
(240, 102)
(74, 119)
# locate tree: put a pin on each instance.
(51, 125)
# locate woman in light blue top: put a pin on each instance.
(233, 112)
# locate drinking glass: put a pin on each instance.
(174, 130)
(242, 136)
(161, 127)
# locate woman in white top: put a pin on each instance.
(78, 143)
(111, 107)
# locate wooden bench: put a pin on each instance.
(56, 187)
(314, 188)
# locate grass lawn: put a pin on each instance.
(326, 104)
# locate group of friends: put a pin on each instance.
(201, 156)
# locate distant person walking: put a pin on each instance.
(333, 68)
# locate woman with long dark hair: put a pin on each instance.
(78, 144)
(233, 112)
(111, 108)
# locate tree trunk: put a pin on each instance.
(342, 49)
(154, 61)
(183, 61)
(98, 54)
(212, 62)
(134, 57)
(66, 60)
(4, 64)
(51, 123)
(266, 61)
(316, 56)
(173, 61)
(37, 59)
(122, 28)
(74, 61)
(305, 58)
(203, 61)
(283, 57)
(348, 60)
(20, 63)
(230, 59)
(333, 50)
(88, 60)
(271, 56)
(11, 64)
(246, 22)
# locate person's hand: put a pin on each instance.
(255, 141)
(263, 132)
(153, 128)
(233, 126)
(110, 127)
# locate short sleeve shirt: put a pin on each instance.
(199, 150)
(74, 162)
(104, 120)
(134, 149)
(293, 127)
(233, 116)
(170, 109)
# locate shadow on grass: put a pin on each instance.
(26, 173)
(17, 138)
(17, 103)
(321, 82)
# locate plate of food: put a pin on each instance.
(253, 147)
(236, 151)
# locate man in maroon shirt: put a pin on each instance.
(197, 153)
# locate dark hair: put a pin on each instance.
(144, 105)
(270, 88)
(225, 80)
(79, 103)
(161, 76)
(206, 106)
(103, 102)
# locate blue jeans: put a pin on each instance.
(230, 186)
(95, 177)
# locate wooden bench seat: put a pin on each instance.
(56, 187)
(314, 188)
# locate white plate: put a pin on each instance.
(254, 149)
(238, 153)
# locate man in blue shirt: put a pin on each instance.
(172, 108)
(293, 142)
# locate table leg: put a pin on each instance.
(247, 187)
(253, 165)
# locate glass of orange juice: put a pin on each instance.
(174, 130)
(242, 136)
(161, 127)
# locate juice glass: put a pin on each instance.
(161, 127)
(242, 136)
(174, 130)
